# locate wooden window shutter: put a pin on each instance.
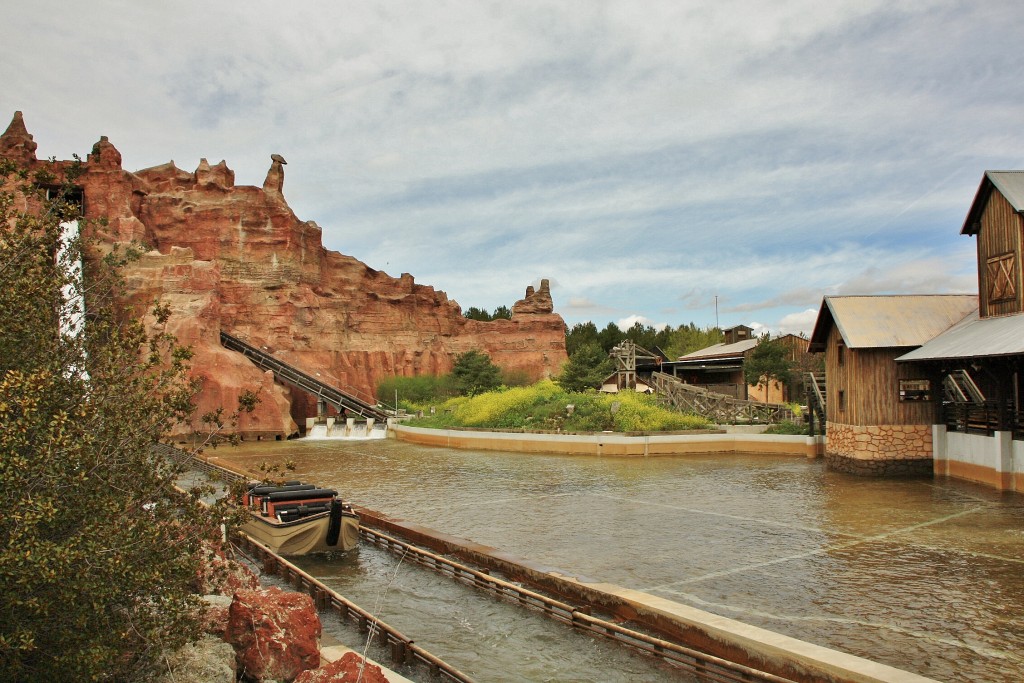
(1001, 277)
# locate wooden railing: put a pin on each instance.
(687, 398)
(985, 418)
(814, 384)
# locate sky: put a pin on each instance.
(727, 162)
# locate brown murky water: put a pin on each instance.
(923, 575)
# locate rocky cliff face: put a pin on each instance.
(236, 258)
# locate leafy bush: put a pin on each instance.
(99, 551)
(787, 427)
(415, 392)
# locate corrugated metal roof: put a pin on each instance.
(722, 350)
(867, 322)
(1009, 183)
(974, 337)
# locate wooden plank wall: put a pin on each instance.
(869, 379)
(1000, 234)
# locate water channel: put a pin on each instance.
(923, 575)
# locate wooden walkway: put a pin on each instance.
(721, 409)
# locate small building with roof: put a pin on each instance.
(720, 368)
(880, 413)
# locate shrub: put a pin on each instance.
(415, 392)
(787, 427)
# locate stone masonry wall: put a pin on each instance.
(879, 450)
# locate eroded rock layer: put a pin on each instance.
(236, 258)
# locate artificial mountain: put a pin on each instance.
(237, 259)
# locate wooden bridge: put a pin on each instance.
(722, 409)
(283, 372)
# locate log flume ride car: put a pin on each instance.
(298, 519)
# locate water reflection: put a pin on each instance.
(922, 575)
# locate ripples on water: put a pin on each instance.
(924, 575)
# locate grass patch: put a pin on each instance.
(543, 407)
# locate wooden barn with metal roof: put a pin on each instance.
(875, 404)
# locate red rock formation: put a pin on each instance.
(236, 258)
(350, 668)
(276, 635)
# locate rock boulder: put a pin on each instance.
(276, 635)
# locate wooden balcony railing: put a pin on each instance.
(986, 418)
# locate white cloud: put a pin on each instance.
(801, 322)
(629, 321)
(647, 158)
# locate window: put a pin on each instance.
(1001, 278)
(840, 353)
(73, 196)
(842, 400)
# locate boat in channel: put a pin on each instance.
(298, 519)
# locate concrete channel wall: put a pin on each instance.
(612, 444)
(723, 637)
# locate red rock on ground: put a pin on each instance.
(276, 635)
(347, 669)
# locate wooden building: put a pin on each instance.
(879, 412)
(720, 368)
(979, 430)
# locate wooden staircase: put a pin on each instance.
(814, 384)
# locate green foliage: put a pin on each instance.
(474, 372)
(500, 313)
(99, 550)
(609, 337)
(787, 427)
(414, 392)
(674, 341)
(580, 335)
(769, 361)
(586, 369)
(543, 407)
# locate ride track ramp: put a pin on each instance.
(340, 400)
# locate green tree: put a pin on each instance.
(474, 373)
(609, 337)
(501, 313)
(586, 368)
(474, 313)
(688, 338)
(768, 362)
(99, 550)
(579, 335)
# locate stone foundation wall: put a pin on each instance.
(879, 450)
